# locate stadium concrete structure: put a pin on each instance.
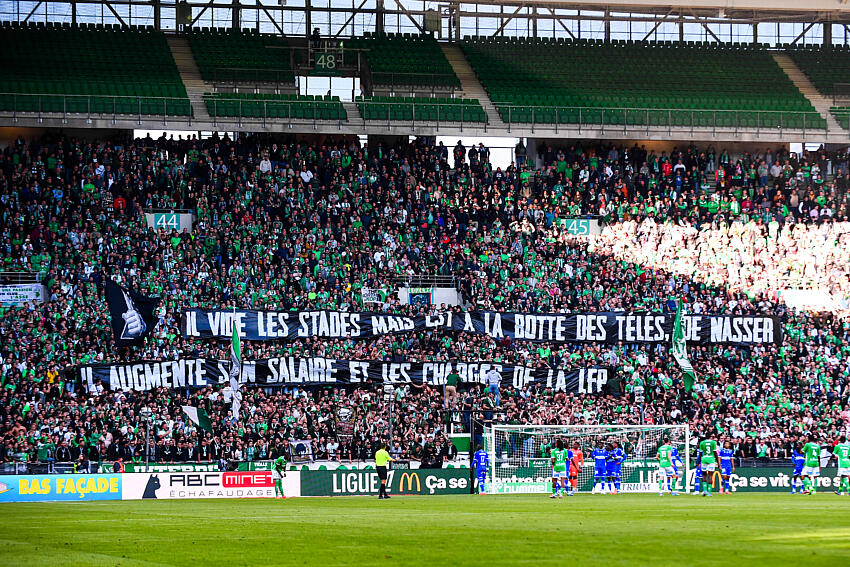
(748, 71)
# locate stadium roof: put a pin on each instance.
(813, 10)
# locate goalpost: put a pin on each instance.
(518, 463)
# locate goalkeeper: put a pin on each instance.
(278, 472)
(481, 462)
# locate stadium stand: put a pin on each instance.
(249, 105)
(286, 225)
(825, 67)
(421, 108)
(662, 83)
(842, 114)
(228, 55)
(413, 61)
(828, 69)
(88, 69)
(401, 63)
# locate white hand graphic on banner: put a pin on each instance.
(134, 324)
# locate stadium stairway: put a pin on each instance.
(352, 111)
(190, 75)
(802, 82)
(470, 84)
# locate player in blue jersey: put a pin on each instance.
(727, 465)
(697, 474)
(799, 460)
(481, 462)
(600, 467)
(678, 466)
(616, 457)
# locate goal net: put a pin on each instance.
(520, 463)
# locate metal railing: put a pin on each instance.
(92, 105)
(170, 210)
(412, 113)
(106, 467)
(51, 467)
(19, 277)
(425, 280)
(394, 82)
(45, 467)
(424, 110)
(260, 110)
(613, 118)
(604, 118)
(165, 108)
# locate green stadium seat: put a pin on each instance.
(741, 77)
(241, 56)
(72, 60)
(406, 61)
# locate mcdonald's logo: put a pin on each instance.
(409, 477)
(366, 482)
(716, 479)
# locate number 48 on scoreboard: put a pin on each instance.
(326, 63)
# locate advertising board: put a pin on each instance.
(187, 485)
(367, 483)
(60, 487)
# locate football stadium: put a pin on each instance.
(564, 281)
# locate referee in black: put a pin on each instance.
(382, 457)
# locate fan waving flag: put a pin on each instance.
(199, 417)
(131, 313)
(235, 372)
(680, 350)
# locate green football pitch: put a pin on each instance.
(742, 529)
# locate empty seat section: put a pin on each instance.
(236, 56)
(842, 115)
(406, 60)
(828, 69)
(105, 69)
(570, 82)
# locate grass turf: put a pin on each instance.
(742, 529)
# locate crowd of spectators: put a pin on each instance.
(289, 224)
(745, 257)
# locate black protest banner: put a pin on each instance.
(131, 314)
(317, 371)
(600, 328)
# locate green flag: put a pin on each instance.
(235, 372)
(199, 417)
(680, 350)
(235, 355)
